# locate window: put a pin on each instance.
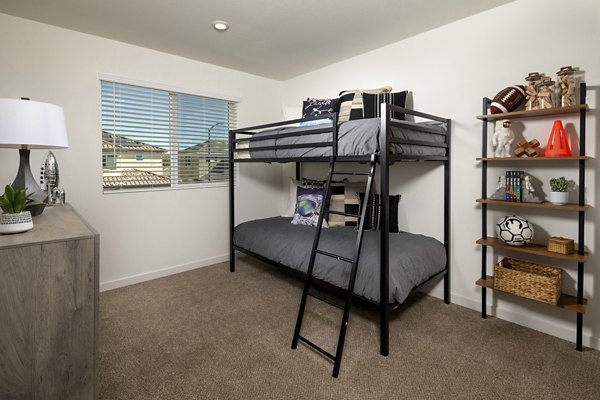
(109, 161)
(155, 138)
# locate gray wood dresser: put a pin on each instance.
(49, 309)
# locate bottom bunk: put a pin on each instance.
(414, 259)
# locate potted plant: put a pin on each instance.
(14, 218)
(559, 190)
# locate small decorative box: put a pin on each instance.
(561, 245)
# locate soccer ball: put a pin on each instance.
(514, 230)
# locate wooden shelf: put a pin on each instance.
(533, 158)
(534, 249)
(566, 301)
(546, 205)
(535, 113)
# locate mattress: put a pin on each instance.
(413, 258)
(355, 138)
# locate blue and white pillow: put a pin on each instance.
(316, 107)
(308, 207)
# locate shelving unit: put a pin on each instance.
(566, 302)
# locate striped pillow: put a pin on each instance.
(351, 102)
(372, 103)
(373, 214)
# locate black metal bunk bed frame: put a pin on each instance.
(385, 159)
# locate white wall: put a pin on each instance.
(449, 70)
(141, 233)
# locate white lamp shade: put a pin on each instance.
(31, 123)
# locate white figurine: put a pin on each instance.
(500, 193)
(503, 139)
(528, 195)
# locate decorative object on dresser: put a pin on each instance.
(576, 304)
(49, 309)
(14, 218)
(26, 125)
(508, 99)
(527, 148)
(561, 245)
(514, 230)
(530, 280)
(559, 191)
(51, 179)
(558, 144)
(502, 139)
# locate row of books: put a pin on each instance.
(514, 180)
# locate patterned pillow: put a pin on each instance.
(373, 214)
(372, 103)
(352, 201)
(351, 102)
(316, 107)
(308, 206)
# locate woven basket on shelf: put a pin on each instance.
(533, 281)
(560, 245)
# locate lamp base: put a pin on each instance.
(25, 180)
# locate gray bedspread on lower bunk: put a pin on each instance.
(357, 137)
(413, 258)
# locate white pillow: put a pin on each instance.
(291, 112)
(290, 208)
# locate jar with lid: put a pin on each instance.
(531, 92)
(546, 93)
(566, 80)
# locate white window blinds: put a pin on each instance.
(154, 138)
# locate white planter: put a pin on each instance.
(15, 223)
(558, 198)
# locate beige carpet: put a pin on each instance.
(211, 334)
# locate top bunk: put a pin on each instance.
(317, 138)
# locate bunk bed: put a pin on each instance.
(413, 260)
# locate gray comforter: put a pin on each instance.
(357, 137)
(413, 258)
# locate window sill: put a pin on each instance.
(164, 189)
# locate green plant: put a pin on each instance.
(559, 184)
(15, 201)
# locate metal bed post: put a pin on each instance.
(384, 307)
(486, 102)
(581, 224)
(447, 199)
(231, 201)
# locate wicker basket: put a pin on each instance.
(561, 245)
(533, 281)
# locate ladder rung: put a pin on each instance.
(342, 258)
(314, 346)
(350, 173)
(343, 213)
(326, 299)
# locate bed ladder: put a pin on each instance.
(308, 291)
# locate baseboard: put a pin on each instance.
(159, 273)
(531, 321)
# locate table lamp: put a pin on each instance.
(25, 125)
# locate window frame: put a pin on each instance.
(170, 88)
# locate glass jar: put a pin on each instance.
(531, 92)
(546, 93)
(567, 86)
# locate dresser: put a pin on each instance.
(49, 309)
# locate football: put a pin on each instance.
(507, 99)
(514, 230)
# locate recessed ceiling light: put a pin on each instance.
(220, 26)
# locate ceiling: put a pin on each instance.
(277, 39)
